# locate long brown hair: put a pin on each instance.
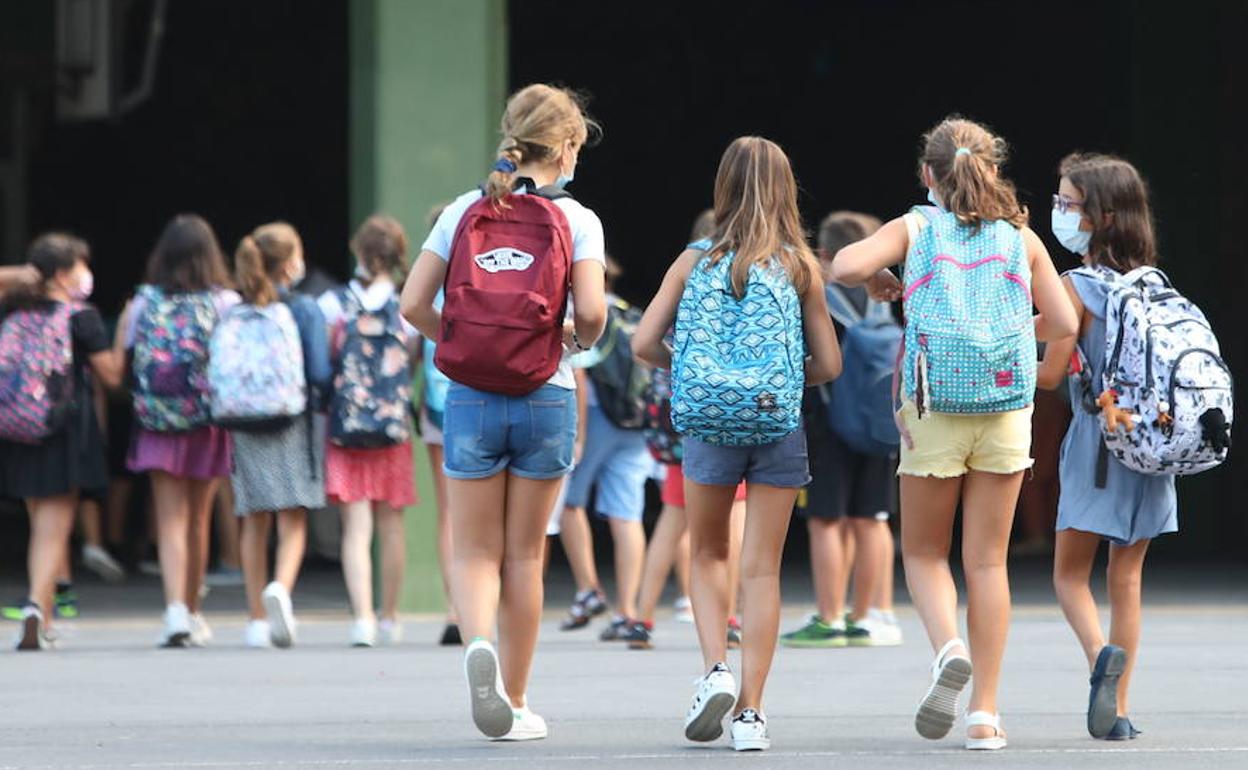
(756, 215)
(260, 259)
(965, 161)
(537, 122)
(841, 228)
(380, 245)
(187, 257)
(1115, 201)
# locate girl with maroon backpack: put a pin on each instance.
(506, 255)
(168, 327)
(51, 446)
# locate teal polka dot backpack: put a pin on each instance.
(970, 343)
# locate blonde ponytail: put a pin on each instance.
(249, 273)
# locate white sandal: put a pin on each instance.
(939, 708)
(984, 719)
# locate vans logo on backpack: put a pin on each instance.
(501, 259)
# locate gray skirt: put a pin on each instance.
(280, 470)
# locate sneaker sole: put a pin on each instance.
(279, 628)
(752, 744)
(491, 713)
(1103, 708)
(709, 724)
(939, 708)
(814, 645)
(29, 641)
(113, 573)
(641, 645)
(514, 737)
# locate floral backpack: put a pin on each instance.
(36, 373)
(171, 342)
(372, 382)
(255, 369)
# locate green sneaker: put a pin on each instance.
(66, 604)
(816, 633)
(13, 612)
(856, 634)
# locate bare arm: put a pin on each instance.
(648, 342)
(1053, 369)
(17, 275)
(825, 352)
(1057, 317)
(108, 367)
(864, 260)
(419, 291)
(589, 303)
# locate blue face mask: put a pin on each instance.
(931, 198)
(1066, 229)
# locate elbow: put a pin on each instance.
(843, 271)
(818, 374)
(1047, 380)
(410, 310)
(589, 324)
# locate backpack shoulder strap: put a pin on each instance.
(840, 307)
(552, 193)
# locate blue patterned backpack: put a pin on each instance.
(171, 338)
(970, 343)
(372, 380)
(738, 364)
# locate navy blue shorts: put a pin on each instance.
(781, 463)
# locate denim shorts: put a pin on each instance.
(485, 433)
(781, 463)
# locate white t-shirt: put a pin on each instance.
(587, 243)
(373, 298)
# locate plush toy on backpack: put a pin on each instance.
(1166, 394)
(255, 369)
(172, 337)
(372, 385)
(36, 373)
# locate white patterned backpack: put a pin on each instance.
(255, 369)
(1166, 397)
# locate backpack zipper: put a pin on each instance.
(1179, 359)
(1148, 346)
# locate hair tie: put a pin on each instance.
(505, 165)
(962, 151)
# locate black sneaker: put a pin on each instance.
(616, 631)
(451, 636)
(639, 636)
(588, 604)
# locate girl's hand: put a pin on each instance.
(884, 286)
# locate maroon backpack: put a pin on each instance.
(506, 294)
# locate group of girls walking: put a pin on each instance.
(966, 434)
(188, 309)
(751, 330)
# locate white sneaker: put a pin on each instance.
(364, 633)
(256, 635)
(682, 610)
(390, 632)
(31, 635)
(882, 627)
(102, 563)
(716, 695)
(201, 632)
(525, 726)
(177, 631)
(281, 614)
(491, 710)
(749, 731)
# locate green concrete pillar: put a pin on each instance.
(428, 83)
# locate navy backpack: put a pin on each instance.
(860, 401)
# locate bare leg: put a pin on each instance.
(708, 509)
(227, 528)
(736, 536)
(665, 542)
(391, 533)
(444, 526)
(681, 562)
(476, 507)
(200, 495)
(629, 539)
(254, 550)
(827, 566)
(884, 597)
(578, 545)
(89, 518)
(292, 540)
(120, 491)
(357, 557)
(1126, 569)
(171, 500)
(927, 509)
(51, 523)
(988, 504)
(529, 502)
(1072, 570)
(766, 526)
(870, 536)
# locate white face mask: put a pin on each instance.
(1065, 228)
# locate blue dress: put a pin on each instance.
(1132, 506)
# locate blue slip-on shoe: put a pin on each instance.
(1103, 698)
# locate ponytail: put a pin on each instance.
(250, 275)
(502, 178)
(965, 162)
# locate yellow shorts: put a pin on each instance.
(949, 445)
